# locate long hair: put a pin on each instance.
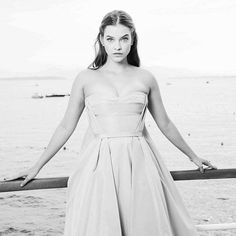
(113, 18)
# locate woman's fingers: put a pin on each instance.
(199, 165)
(201, 169)
(208, 163)
(27, 179)
(33, 172)
(17, 176)
(27, 174)
(201, 162)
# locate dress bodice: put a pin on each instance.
(117, 116)
(120, 177)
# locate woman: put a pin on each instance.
(120, 186)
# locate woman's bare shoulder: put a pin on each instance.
(84, 76)
(146, 76)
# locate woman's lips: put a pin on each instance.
(117, 54)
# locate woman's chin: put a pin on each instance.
(118, 59)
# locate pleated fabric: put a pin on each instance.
(120, 186)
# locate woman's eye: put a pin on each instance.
(125, 39)
(109, 39)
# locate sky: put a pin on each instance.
(56, 37)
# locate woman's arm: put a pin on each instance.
(68, 124)
(62, 133)
(167, 127)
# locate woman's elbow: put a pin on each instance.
(165, 125)
(68, 127)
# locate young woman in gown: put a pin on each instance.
(120, 186)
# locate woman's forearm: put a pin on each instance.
(172, 133)
(59, 138)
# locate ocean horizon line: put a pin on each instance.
(203, 77)
(166, 76)
(33, 78)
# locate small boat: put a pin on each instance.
(36, 95)
(56, 95)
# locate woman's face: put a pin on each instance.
(117, 42)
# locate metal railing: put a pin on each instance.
(61, 182)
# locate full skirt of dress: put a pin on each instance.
(120, 186)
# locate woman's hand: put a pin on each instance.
(28, 174)
(200, 162)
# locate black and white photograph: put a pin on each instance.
(117, 118)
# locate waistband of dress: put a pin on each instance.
(120, 134)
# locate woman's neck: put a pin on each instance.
(115, 67)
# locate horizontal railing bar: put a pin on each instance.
(208, 174)
(209, 227)
(61, 182)
(38, 183)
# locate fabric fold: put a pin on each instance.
(121, 186)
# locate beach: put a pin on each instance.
(202, 108)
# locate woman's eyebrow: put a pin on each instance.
(113, 37)
(124, 35)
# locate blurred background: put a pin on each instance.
(55, 37)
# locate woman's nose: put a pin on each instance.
(117, 45)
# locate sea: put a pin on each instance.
(202, 108)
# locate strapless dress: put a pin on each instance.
(120, 186)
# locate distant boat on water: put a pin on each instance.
(37, 95)
(56, 95)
